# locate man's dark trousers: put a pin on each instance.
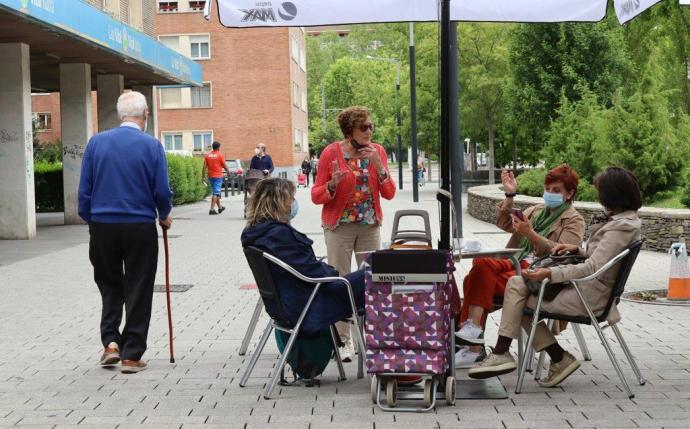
(125, 257)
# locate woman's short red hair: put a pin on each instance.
(564, 174)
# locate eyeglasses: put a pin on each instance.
(364, 127)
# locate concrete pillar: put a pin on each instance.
(17, 202)
(75, 112)
(151, 99)
(109, 87)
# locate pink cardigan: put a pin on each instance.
(334, 204)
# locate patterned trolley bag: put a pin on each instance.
(408, 317)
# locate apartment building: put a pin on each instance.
(255, 88)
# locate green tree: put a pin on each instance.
(579, 137)
(555, 62)
(483, 61)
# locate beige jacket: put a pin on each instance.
(568, 229)
(606, 241)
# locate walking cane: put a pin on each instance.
(167, 291)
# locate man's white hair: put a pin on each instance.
(131, 105)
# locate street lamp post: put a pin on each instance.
(398, 120)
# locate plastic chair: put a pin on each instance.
(259, 264)
(627, 259)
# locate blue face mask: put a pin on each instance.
(294, 208)
(552, 200)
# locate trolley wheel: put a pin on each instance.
(392, 392)
(450, 390)
(374, 388)
(428, 392)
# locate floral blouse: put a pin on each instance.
(360, 208)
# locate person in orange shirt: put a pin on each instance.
(214, 163)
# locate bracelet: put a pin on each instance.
(383, 175)
(510, 195)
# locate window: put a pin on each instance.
(199, 47)
(295, 49)
(42, 122)
(202, 141)
(172, 42)
(167, 6)
(295, 94)
(298, 138)
(303, 60)
(112, 7)
(197, 5)
(136, 14)
(172, 141)
(171, 98)
(304, 100)
(201, 97)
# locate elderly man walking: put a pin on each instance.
(122, 191)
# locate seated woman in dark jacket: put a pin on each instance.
(269, 212)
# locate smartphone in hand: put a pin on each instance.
(518, 214)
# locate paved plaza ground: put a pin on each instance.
(49, 345)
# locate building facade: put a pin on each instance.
(85, 55)
(255, 88)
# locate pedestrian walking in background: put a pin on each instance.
(314, 163)
(123, 189)
(353, 175)
(306, 168)
(261, 160)
(214, 163)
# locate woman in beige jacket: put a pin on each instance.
(610, 233)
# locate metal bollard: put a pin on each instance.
(225, 187)
(233, 183)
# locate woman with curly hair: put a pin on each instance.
(352, 177)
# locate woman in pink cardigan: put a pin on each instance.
(353, 175)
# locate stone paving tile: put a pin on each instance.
(49, 375)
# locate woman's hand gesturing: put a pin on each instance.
(509, 182)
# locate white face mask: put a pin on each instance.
(146, 124)
(257, 151)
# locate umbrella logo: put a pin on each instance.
(287, 11)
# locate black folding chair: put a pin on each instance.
(626, 258)
(259, 264)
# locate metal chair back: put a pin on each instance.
(264, 281)
(626, 265)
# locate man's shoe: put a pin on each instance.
(220, 209)
(560, 371)
(347, 351)
(212, 212)
(111, 355)
(493, 365)
(132, 366)
(470, 333)
(465, 358)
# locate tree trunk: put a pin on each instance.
(473, 156)
(491, 162)
(514, 150)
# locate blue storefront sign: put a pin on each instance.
(84, 21)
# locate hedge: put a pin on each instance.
(48, 187)
(185, 179)
(184, 174)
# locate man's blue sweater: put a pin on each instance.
(124, 178)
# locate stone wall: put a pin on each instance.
(660, 227)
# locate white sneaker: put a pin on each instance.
(470, 333)
(466, 358)
(347, 351)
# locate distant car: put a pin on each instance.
(237, 169)
(236, 166)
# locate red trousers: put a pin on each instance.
(487, 278)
